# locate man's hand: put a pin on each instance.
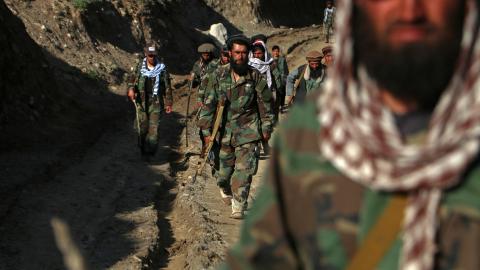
(266, 136)
(131, 94)
(288, 100)
(199, 105)
(207, 139)
(168, 108)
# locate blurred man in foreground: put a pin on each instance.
(380, 169)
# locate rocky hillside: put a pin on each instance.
(56, 50)
(27, 84)
(276, 13)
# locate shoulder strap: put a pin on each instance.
(381, 237)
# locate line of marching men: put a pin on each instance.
(250, 87)
(240, 96)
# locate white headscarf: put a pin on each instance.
(263, 66)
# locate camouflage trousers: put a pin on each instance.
(148, 116)
(237, 166)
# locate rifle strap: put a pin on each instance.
(381, 237)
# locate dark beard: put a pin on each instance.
(416, 72)
(240, 69)
(316, 73)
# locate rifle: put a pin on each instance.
(188, 110)
(297, 84)
(216, 127)
(138, 107)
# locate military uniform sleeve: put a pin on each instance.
(133, 78)
(265, 105)
(168, 88)
(196, 75)
(201, 89)
(274, 85)
(207, 111)
(265, 241)
(291, 81)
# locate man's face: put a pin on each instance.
(276, 53)
(329, 4)
(259, 54)
(328, 59)
(206, 56)
(239, 58)
(410, 47)
(397, 23)
(225, 57)
(150, 58)
(314, 65)
(239, 54)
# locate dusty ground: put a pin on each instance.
(121, 212)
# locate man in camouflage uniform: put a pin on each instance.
(310, 77)
(150, 89)
(380, 169)
(280, 72)
(213, 158)
(201, 68)
(247, 118)
(328, 20)
(206, 64)
(224, 56)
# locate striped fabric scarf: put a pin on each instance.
(360, 138)
(154, 73)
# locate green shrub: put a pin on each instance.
(94, 74)
(82, 4)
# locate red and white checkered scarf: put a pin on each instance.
(360, 138)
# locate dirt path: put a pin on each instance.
(111, 202)
(202, 228)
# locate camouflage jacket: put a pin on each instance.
(308, 215)
(144, 85)
(248, 104)
(212, 66)
(200, 72)
(280, 71)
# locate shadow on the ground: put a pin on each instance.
(48, 169)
